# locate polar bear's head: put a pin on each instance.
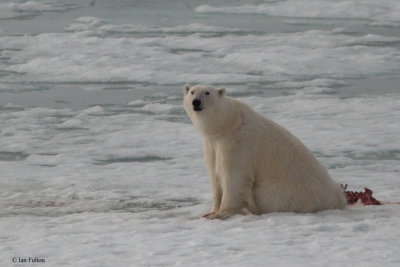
(203, 104)
(202, 99)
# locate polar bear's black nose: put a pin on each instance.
(196, 103)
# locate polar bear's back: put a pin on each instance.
(287, 175)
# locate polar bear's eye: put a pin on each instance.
(207, 93)
(192, 92)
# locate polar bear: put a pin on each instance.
(254, 164)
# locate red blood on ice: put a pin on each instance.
(366, 197)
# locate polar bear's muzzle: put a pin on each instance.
(196, 105)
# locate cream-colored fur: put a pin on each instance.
(254, 164)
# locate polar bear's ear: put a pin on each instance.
(221, 92)
(186, 88)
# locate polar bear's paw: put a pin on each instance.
(208, 214)
(222, 215)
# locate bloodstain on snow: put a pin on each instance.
(365, 198)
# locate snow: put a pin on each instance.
(110, 171)
(382, 13)
(124, 198)
(330, 238)
(88, 56)
(15, 9)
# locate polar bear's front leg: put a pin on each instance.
(235, 196)
(217, 194)
(210, 159)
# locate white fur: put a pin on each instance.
(254, 164)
